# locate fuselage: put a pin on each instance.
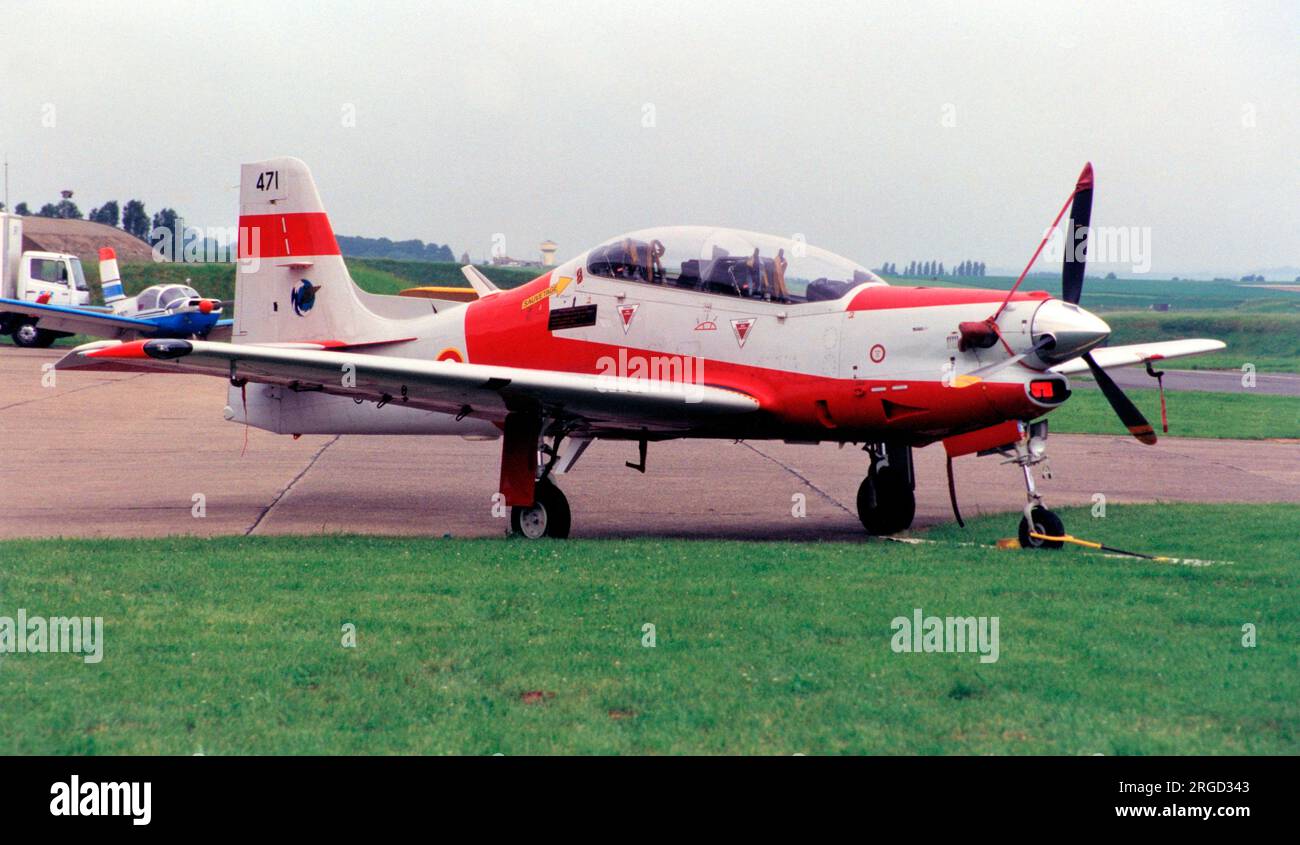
(877, 362)
(874, 365)
(830, 351)
(178, 311)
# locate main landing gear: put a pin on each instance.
(887, 497)
(1037, 519)
(547, 516)
(528, 463)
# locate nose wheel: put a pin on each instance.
(1041, 521)
(1037, 519)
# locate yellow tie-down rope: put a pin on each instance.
(1089, 544)
(1013, 543)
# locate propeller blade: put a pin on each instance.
(1124, 408)
(1076, 241)
(1081, 210)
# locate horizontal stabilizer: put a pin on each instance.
(478, 281)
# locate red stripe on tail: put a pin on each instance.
(285, 235)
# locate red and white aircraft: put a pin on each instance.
(658, 334)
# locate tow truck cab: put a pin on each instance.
(59, 275)
(51, 278)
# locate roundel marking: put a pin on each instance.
(877, 354)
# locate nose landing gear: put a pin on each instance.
(1037, 519)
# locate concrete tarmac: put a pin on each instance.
(1216, 381)
(133, 455)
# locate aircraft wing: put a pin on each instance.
(64, 318)
(1139, 353)
(595, 401)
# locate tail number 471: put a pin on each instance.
(268, 181)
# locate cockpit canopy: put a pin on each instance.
(729, 262)
(164, 296)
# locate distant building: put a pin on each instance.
(82, 239)
(507, 261)
(548, 257)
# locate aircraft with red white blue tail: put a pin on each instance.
(168, 310)
(658, 334)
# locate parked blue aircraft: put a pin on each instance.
(174, 311)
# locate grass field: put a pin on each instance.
(381, 275)
(1192, 413)
(377, 275)
(1261, 326)
(482, 646)
(1269, 341)
(1105, 295)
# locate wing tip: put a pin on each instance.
(78, 356)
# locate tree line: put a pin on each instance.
(133, 219)
(412, 250)
(934, 268)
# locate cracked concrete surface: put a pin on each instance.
(118, 454)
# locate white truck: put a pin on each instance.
(51, 278)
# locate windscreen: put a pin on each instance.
(729, 262)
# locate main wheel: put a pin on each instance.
(30, 337)
(1045, 522)
(886, 502)
(548, 516)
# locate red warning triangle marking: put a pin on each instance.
(741, 328)
(626, 312)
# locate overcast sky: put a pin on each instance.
(887, 132)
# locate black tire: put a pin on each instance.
(886, 502)
(29, 337)
(549, 515)
(1045, 522)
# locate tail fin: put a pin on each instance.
(291, 283)
(110, 279)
